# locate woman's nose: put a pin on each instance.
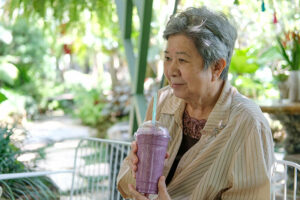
(173, 69)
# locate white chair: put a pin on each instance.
(285, 180)
(95, 170)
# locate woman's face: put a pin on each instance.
(184, 69)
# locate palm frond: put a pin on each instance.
(17, 190)
(7, 191)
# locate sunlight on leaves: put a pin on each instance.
(8, 73)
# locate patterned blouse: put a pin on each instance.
(191, 135)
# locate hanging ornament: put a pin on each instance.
(263, 8)
(275, 18)
(236, 2)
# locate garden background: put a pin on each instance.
(66, 60)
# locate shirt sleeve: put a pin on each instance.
(250, 172)
(124, 178)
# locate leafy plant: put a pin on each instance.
(101, 111)
(24, 65)
(2, 97)
(118, 104)
(243, 61)
(244, 67)
(281, 77)
(289, 48)
(272, 59)
(8, 72)
(24, 188)
(89, 105)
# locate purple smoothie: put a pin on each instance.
(152, 142)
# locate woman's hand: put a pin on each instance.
(133, 158)
(135, 194)
(162, 191)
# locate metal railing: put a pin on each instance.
(94, 174)
(96, 166)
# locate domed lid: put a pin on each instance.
(149, 128)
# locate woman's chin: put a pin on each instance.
(179, 93)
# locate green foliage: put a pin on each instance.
(25, 188)
(25, 66)
(248, 86)
(29, 188)
(243, 62)
(101, 111)
(73, 16)
(272, 59)
(61, 9)
(2, 97)
(281, 77)
(245, 65)
(29, 47)
(268, 56)
(8, 73)
(289, 47)
(8, 152)
(89, 105)
(22, 60)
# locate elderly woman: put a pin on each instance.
(221, 145)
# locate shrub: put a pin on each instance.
(23, 188)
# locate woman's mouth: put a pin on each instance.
(176, 85)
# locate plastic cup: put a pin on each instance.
(152, 141)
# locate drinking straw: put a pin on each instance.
(154, 109)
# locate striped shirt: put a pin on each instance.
(232, 160)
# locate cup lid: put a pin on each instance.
(149, 128)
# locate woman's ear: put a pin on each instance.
(218, 68)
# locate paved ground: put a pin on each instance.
(54, 129)
(60, 136)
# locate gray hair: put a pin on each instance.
(212, 33)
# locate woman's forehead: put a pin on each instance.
(181, 45)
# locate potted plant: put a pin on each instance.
(282, 83)
(289, 48)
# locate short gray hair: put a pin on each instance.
(211, 32)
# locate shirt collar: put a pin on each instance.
(218, 117)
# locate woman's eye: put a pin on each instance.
(181, 60)
(167, 58)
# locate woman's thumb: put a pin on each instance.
(162, 188)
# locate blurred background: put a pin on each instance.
(64, 73)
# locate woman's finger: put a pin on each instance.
(167, 155)
(162, 189)
(133, 158)
(134, 169)
(134, 146)
(136, 195)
